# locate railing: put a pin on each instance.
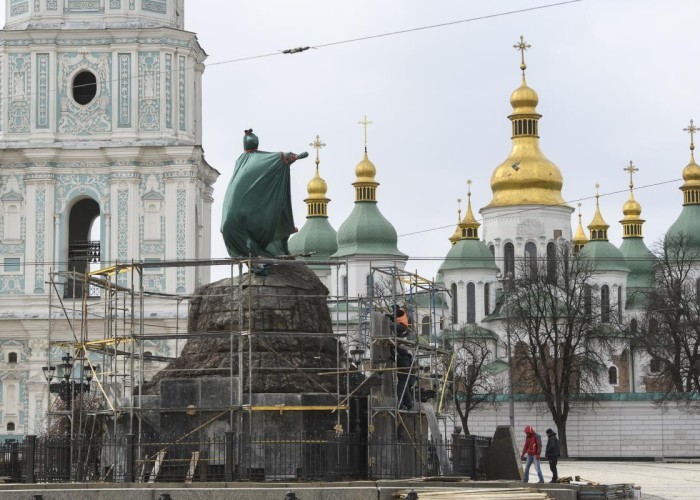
(329, 457)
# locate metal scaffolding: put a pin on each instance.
(113, 334)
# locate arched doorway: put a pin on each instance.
(83, 243)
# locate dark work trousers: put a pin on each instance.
(553, 468)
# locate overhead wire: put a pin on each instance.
(27, 96)
(530, 209)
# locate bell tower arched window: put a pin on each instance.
(487, 299)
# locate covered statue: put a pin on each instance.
(257, 216)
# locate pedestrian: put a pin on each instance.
(551, 453)
(532, 448)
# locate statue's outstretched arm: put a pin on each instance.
(290, 158)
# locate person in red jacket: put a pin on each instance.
(532, 448)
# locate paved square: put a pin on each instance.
(658, 480)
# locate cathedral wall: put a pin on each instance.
(522, 224)
(612, 429)
(462, 278)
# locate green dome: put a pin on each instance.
(317, 235)
(469, 254)
(688, 225)
(604, 255)
(640, 262)
(367, 232)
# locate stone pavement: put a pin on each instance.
(659, 480)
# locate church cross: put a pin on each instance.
(631, 169)
(317, 144)
(691, 129)
(365, 122)
(522, 47)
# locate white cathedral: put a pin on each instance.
(102, 164)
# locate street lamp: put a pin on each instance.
(511, 404)
(356, 355)
(67, 387)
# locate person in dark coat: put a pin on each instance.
(551, 453)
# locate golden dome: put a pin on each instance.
(365, 185)
(469, 225)
(691, 172)
(598, 227)
(526, 177)
(631, 208)
(365, 170)
(317, 202)
(580, 237)
(631, 222)
(524, 100)
(457, 235)
(317, 187)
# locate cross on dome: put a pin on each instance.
(365, 122)
(522, 46)
(631, 169)
(317, 145)
(691, 129)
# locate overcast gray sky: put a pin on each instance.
(618, 80)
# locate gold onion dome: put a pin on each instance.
(469, 225)
(691, 173)
(598, 227)
(580, 238)
(526, 177)
(317, 187)
(458, 230)
(632, 210)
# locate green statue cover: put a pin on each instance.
(257, 214)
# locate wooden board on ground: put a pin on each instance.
(481, 493)
(193, 466)
(156, 467)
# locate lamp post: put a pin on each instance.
(67, 387)
(511, 404)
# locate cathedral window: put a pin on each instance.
(653, 326)
(655, 366)
(619, 303)
(471, 303)
(633, 326)
(453, 292)
(509, 258)
(531, 258)
(605, 304)
(12, 357)
(487, 299)
(551, 263)
(493, 250)
(425, 326)
(12, 222)
(152, 228)
(587, 302)
(612, 375)
(11, 264)
(84, 87)
(344, 282)
(10, 426)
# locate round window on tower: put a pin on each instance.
(84, 87)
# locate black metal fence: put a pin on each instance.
(327, 457)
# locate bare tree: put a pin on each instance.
(474, 386)
(556, 321)
(670, 329)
